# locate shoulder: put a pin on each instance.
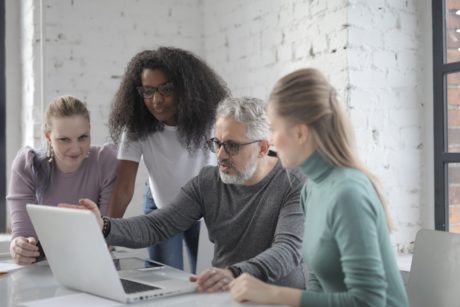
(208, 173)
(208, 176)
(104, 157)
(129, 138)
(349, 181)
(297, 176)
(106, 151)
(24, 158)
(353, 193)
(292, 178)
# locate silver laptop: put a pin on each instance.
(434, 278)
(79, 259)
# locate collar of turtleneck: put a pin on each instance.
(316, 168)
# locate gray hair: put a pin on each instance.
(249, 111)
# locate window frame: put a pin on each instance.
(2, 118)
(442, 157)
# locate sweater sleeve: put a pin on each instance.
(21, 191)
(106, 161)
(145, 230)
(354, 222)
(284, 255)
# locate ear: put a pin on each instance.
(264, 145)
(47, 135)
(302, 133)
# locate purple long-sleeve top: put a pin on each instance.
(94, 179)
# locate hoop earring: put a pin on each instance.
(50, 153)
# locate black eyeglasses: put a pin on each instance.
(166, 89)
(230, 147)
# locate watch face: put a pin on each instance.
(236, 271)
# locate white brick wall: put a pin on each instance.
(389, 98)
(88, 45)
(377, 54)
(253, 43)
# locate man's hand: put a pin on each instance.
(86, 204)
(213, 280)
(24, 250)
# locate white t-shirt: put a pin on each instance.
(168, 162)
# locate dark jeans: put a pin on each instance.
(170, 251)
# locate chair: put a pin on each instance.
(434, 279)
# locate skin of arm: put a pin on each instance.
(107, 158)
(123, 188)
(247, 288)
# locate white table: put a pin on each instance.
(36, 282)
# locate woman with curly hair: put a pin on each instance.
(163, 112)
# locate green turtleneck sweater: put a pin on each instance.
(346, 242)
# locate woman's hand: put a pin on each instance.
(24, 250)
(213, 280)
(249, 289)
(86, 204)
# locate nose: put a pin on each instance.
(75, 148)
(221, 154)
(270, 140)
(157, 97)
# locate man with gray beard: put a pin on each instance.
(249, 203)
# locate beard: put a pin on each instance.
(240, 176)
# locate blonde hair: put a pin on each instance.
(305, 96)
(64, 106)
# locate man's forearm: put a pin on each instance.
(145, 230)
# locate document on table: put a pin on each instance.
(8, 266)
(72, 300)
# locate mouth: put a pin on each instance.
(225, 167)
(74, 157)
(158, 111)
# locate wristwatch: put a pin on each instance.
(236, 271)
(105, 226)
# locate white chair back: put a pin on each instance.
(434, 279)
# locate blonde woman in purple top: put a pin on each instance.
(67, 170)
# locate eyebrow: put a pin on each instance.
(229, 140)
(158, 84)
(68, 137)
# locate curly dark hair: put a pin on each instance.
(198, 90)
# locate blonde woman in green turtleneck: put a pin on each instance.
(346, 242)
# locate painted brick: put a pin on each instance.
(453, 118)
(370, 51)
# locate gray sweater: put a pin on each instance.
(258, 228)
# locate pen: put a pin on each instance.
(3, 273)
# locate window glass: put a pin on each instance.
(454, 197)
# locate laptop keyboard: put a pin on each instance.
(134, 287)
